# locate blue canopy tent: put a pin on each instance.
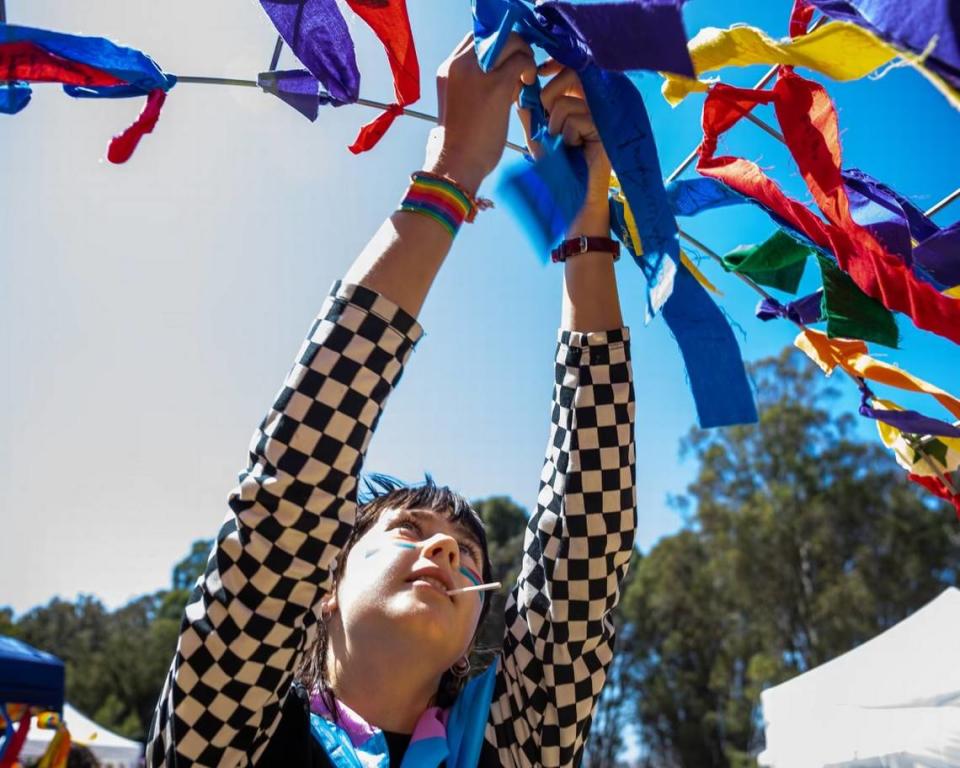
(29, 676)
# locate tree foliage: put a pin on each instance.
(801, 542)
(115, 661)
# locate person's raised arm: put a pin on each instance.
(402, 259)
(558, 641)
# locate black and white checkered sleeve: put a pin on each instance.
(558, 642)
(254, 611)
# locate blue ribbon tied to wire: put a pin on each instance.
(602, 41)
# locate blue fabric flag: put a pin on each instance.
(14, 97)
(549, 193)
(718, 381)
(688, 197)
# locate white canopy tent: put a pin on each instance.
(111, 750)
(893, 702)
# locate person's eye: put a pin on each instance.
(406, 523)
(470, 551)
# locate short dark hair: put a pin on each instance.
(381, 493)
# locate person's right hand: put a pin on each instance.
(474, 108)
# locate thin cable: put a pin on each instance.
(951, 198)
(195, 80)
(275, 59)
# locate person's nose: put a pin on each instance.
(443, 548)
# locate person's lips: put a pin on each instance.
(436, 577)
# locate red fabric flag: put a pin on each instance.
(800, 18)
(937, 488)
(121, 147)
(809, 124)
(391, 24)
(28, 61)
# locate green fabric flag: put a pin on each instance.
(777, 262)
(849, 312)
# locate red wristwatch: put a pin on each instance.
(577, 245)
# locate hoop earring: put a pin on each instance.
(461, 669)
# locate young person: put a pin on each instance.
(322, 633)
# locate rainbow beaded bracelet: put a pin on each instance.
(442, 199)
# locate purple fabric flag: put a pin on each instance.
(626, 34)
(911, 24)
(911, 422)
(317, 33)
(619, 35)
(806, 310)
(939, 255)
(298, 88)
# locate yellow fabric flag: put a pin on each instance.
(840, 50)
(910, 458)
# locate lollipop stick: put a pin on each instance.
(475, 588)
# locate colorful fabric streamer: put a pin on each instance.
(942, 452)
(840, 50)
(928, 28)
(614, 35)
(88, 67)
(390, 23)
(718, 381)
(299, 89)
(852, 356)
(586, 36)
(808, 120)
(318, 35)
(14, 97)
(778, 263)
(937, 487)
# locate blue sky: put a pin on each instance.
(150, 311)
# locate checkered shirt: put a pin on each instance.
(254, 612)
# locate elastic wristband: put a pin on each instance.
(440, 199)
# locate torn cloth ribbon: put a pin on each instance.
(937, 487)
(809, 123)
(711, 355)
(940, 454)
(318, 35)
(852, 356)
(895, 221)
(299, 89)
(88, 67)
(840, 50)
(587, 36)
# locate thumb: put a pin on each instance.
(519, 68)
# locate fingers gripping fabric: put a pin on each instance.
(254, 611)
(559, 638)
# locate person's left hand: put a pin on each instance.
(569, 116)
